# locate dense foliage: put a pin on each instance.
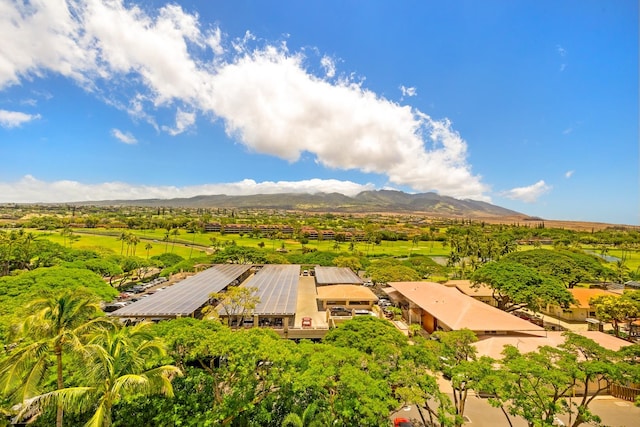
(62, 356)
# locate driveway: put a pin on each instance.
(479, 413)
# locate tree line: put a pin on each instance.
(68, 364)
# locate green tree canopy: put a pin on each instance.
(617, 310)
(369, 335)
(16, 292)
(516, 285)
(568, 266)
(391, 270)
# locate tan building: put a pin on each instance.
(441, 308)
(481, 292)
(581, 310)
(350, 296)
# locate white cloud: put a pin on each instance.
(561, 51)
(528, 194)
(125, 137)
(568, 174)
(265, 96)
(12, 119)
(32, 190)
(214, 41)
(184, 120)
(408, 91)
(342, 124)
(329, 66)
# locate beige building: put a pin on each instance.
(581, 309)
(350, 296)
(441, 308)
(481, 292)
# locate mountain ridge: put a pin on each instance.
(391, 201)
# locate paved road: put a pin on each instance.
(614, 413)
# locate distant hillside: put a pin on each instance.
(367, 201)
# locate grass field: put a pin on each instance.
(182, 242)
(93, 241)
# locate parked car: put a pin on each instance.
(340, 311)
(306, 322)
(402, 422)
(109, 308)
(383, 302)
(363, 313)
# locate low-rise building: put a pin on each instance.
(581, 310)
(326, 276)
(440, 308)
(481, 292)
(349, 296)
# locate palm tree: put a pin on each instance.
(166, 240)
(134, 240)
(57, 326)
(117, 366)
(175, 232)
(148, 247)
(312, 416)
(122, 237)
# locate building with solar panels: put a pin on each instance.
(188, 297)
(336, 276)
(276, 287)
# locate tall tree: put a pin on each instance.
(120, 362)
(516, 286)
(58, 325)
(458, 362)
(617, 310)
(236, 302)
(148, 247)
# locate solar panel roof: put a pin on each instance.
(187, 296)
(336, 275)
(277, 289)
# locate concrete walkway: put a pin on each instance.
(307, 304)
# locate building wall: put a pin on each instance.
(428, 322)
(571, 314)
(355, 304)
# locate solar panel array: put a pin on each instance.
(277, 289)
(187, 296)
(336, 275)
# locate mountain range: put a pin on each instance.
(390, 201)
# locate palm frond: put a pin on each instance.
(73, 399)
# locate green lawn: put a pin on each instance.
(181, 244)
(632, 258)
(92, 241)
(92, 238)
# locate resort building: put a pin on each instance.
(440, 308)
(581, 310)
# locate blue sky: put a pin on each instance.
(529, 105)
